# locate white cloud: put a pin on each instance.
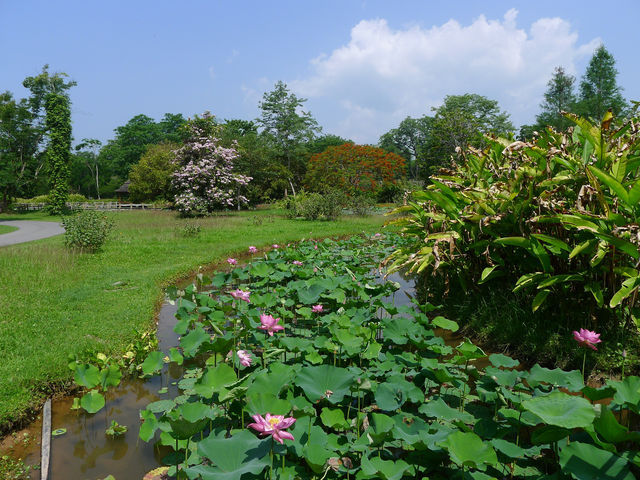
(369, 85)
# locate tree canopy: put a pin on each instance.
(599, 90)
(287, 127)
(558, 98)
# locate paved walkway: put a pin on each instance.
(28, 230)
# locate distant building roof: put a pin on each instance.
(124, 188)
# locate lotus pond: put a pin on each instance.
(301, 364)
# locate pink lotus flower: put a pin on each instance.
(297, 262)
(270, 324)
(252, 249)
(245, 358)
(273, 425)
(317, 309)
(240, 295)
(275, 245)
(232, 261)
(587, 338)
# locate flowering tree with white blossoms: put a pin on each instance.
(205, 180)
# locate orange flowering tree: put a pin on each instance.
(354, 169)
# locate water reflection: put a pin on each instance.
(85, 451)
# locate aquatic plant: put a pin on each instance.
(374, 392)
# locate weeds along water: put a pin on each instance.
(303, 365)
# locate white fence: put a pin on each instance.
(90, 206)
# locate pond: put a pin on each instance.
(86, 452)
(351, 378)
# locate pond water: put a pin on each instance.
(86, 452)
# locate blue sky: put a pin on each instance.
(362, 65)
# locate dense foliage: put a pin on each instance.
(24, 134)
(599, 89)
(151, 176)
(556, 219)
(204, 179)
(354, 169)
(87, 231)
(308, 348)
(287, 128)
(58, 122)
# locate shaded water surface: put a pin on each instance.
(86, 452)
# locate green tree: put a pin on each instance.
(58, 123)
(463, 120)
(409, 141)
(20, 162)
(321, 143)
(132, 140)
(257, 159)
(288, 128)
(599, 90)
(558, 98)
(85, 167)
(24, 136)
(151, 176)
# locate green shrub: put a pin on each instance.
(314, 206)
(555, 220)
(76, 198)
(361, 204)
(87, 231)
(189, 230)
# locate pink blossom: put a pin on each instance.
(377, 235)
(317, 309)
(232, 261)
(275, 245)
(273, 425)
(252, 249)
(297, 262)
(245, 358)
(240, 295)
(315, 247)
(587, 338)
(270, 324)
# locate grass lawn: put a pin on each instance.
(7, 229)
(54, 302)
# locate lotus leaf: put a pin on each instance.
(214, 380)
(572, 380)
(192, 341)
(627, 392)
(385, 469)
(502, 361)
(92, 401)
(440, 410)
(232, 457)
(468, 449)
(333, 418)
(324, 382)
(445, 324)
(588, 462)
(87, 376)
(259, 403)
(562, 410)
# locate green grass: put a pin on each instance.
(55, 302)
(7, 229)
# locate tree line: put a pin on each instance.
(274, 149)
(432, 141)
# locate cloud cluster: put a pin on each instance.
(369, 85)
